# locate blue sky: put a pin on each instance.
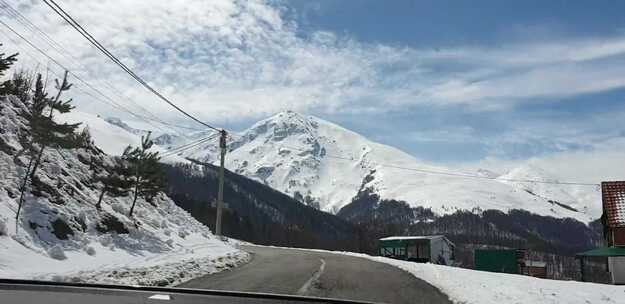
(485, 24)
(451, 23)
(447, 81)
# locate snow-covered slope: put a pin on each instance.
(473, 287)
(111, 138)
(326, 165)
(112, 135)
(60, 233)
(583, 198)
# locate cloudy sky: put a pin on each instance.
(452, 82)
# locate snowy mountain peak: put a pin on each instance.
(326, 166)
(285, 124)
(530, 171)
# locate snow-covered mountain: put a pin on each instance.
(326, 165)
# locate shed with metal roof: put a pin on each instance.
(424, 249)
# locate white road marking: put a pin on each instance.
(163, 297)
(304, 289)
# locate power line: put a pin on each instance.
(50, 58)
(455, 174)
(468, 175)
(110, 101)
(60, 49)
(171, 152)
(166, 154)
(188, 146)
(52, 4)
(63, 14)
(193, 142)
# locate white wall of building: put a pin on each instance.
(617, 269)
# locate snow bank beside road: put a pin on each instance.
(472, 286)
(169, 269)
(115, 260)
(480, 287)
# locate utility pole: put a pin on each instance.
(220, 194)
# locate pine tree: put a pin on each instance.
(44, 131)
(148, 178)
(6, 62)
(117, 182)
(19, 85)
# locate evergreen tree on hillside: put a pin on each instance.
(148, 178)
(116, 180)
(19, 85)
(44, 131)
(6, 62)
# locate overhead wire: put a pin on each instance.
(165, 154)
(450, 173)
(169, 153)
(187, 146)
(52, 59)
(63, 51)
(70, 20)
(65, 16)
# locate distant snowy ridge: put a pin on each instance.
(326, 166)
(62, 235)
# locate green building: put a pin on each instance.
(498, 260)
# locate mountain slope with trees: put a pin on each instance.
(55, 221)
(256, 212)
(324, 165)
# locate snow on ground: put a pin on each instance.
(472, 286)
(111, 138)
(62, 235)
(469, 286)
(196, 256)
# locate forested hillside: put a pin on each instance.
(259, 214)
(255, 212)
(550, 239)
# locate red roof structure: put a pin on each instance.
(613, 197)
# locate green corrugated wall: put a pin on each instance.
(496, 260)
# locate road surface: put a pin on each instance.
(24, 291)
(321, 274)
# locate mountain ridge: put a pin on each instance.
(325, 165)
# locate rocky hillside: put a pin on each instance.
(60, 232)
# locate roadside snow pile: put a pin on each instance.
(472, 286)
(62, 235)
(467, 286)
(166, 269)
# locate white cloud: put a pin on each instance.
(602, 163)
(227, 60)
(451, 134)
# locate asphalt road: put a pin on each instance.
(20, 291)
(320, 274)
